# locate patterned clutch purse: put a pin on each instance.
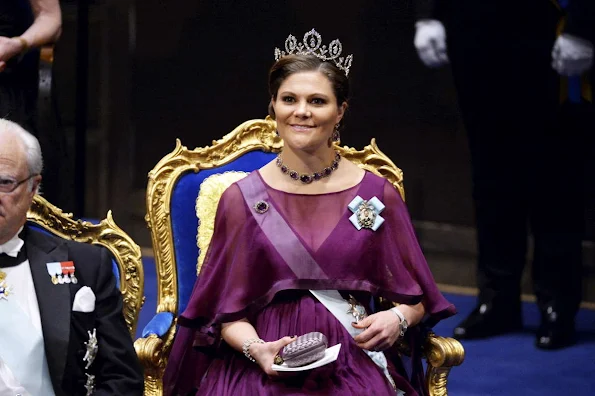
(306, 349)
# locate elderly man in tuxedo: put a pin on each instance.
(62, 329)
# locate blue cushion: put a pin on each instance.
(115, 268)
(185, 223)
(159, 325)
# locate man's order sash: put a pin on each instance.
(22, 349)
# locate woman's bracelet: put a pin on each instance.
(403, 325)
(24, 43)
(246, 347)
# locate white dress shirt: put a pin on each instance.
(22, 291)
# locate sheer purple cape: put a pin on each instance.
(243, 271)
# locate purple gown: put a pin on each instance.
(244, 275)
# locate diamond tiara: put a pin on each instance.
(312, 45)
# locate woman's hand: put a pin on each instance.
(9, 48)
(264, 354)
(381, 333)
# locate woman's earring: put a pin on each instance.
(277, 132)
(336, 137)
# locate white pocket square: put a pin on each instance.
(84, 300)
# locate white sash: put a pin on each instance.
(22, 350)
(337, 305)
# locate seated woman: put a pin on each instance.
(303, 233)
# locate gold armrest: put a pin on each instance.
(442, 354)
(153, 352)
(152, 357)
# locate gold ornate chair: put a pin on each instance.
(182, 196)
(127, 265)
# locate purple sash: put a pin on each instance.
(297, 257)
(276, 229)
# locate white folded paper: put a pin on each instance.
(330, 355)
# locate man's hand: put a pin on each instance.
(571, 55)
(381, 331)
(430, 42)
(9, 48)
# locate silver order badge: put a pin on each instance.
(92, 347)
(90, 384)
(5, 290)
(366, 216)
(356, 309)
(366, 213)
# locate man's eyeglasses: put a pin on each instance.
(8, 185)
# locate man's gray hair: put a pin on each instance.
(30, 145)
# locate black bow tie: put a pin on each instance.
(9, 261)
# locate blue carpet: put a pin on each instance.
(504, 366)
(511, 365)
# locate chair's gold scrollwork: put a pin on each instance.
(442, 353)
(375, 161)
(108, 234)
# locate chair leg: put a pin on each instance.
(437, 378)
(153, 386)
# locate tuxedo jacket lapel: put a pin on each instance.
(54, 301)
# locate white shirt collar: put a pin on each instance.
(13, 246)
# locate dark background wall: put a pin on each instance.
(196, 69)
(207, 74)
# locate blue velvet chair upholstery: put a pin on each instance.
(126, 255)
(179, 223)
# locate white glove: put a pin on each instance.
(571, 55)
(430, 42)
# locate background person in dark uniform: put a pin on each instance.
(26, 26)
(527, 158)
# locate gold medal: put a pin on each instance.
(4, 288)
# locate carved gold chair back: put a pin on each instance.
(127, 265)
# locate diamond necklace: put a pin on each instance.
(308, 178)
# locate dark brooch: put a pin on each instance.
(261, 207)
